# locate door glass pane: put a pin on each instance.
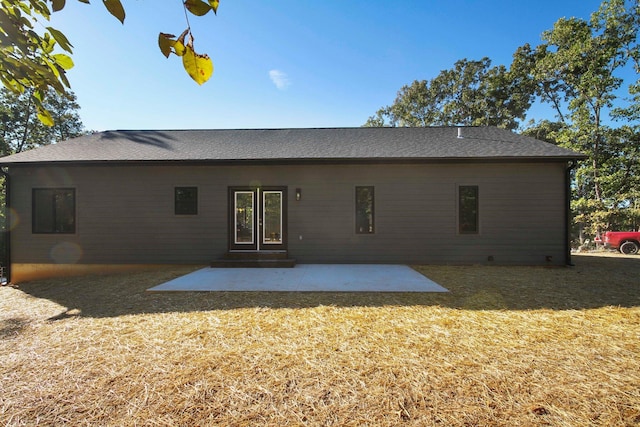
(272, 221)
(244, 217)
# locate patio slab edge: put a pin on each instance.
(304, 278)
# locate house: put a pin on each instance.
(438, 195)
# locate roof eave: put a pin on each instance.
(341, 160)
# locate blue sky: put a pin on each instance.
(284, 63)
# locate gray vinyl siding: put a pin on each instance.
(125, 214)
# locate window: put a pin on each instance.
(364, 210)
(468, 209)
(54, 210)
(186, 201)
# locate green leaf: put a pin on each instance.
(197, 7)
(166, 42)
(12, 85)
(41, 8)
(39, 95)
(199, 67)
(214, 5)
(63, 60)
(55, 68)
(25, 8)
(57, 5)
(61, 39)
(47, 43)
(115, 8)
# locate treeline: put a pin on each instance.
(20, 127)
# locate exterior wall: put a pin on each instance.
(125, 214)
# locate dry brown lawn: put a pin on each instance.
(512, 346)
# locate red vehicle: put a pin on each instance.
(627, 242)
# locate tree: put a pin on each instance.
(472, 93)
(31, 61)
(577, 71)
(20, 128)
(545, 130)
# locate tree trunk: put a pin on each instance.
(25, 133)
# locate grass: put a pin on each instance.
(507, 346)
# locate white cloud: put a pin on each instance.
(280, 79)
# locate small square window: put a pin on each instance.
(364, 210)
(54, 210)
(186, 201)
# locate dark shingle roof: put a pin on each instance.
(296, 145)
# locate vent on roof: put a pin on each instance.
(460, 133)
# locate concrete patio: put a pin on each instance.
(305, 278)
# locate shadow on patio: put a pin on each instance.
(594, 281)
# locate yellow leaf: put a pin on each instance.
(199, 67)
(178, 48)
(45, 117)
(63, 60)
(214, 5)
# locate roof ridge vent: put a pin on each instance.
(460, 132)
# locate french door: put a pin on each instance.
(257, 218)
